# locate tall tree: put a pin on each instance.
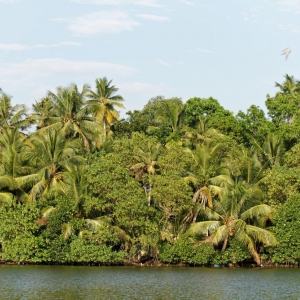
(239, 215)
(103, 101)
(289, 86)
(50, 159)
(145, 158)
(13, 162)
(67, 111)
(13, 116)
(207, 174)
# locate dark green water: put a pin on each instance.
(66, 282)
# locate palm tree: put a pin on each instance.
(208, 174)
(272, 150)
(168, 113)
(66, 111)
(12, 116)
(51, 158)
(13, 162)
(103, 101)
(146, 162)
(76, 183)
(172, 113)
(290, 86)
(146, 159)
(240, 215)
(7, 185)
(203, 132)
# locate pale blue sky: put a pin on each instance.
(229, 50)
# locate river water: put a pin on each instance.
(70, 282)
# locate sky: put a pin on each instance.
(230, 50)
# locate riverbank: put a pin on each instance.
(150, 264)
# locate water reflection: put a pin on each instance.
(69, 282)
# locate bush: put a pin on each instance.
(184, 251)
(236, 252)
(286, 229)
(84, 252)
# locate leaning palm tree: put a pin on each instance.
(239, 215)
(103, 102)
(66, 111)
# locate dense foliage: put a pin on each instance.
(175, 183)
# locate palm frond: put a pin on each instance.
(203, 227)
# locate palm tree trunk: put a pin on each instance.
(196, 195)
(225, 243)
(149, 196)
(256, 257)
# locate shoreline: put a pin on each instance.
(182, 265)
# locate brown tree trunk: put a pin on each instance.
(256, 257)
(225, 243)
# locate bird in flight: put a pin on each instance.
(287, 52)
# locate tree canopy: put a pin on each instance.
(175, 182)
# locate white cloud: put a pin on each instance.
(152, 17)
(20, 47)
(205, 50)
(99, 2)
(162, 62)
(13, 47)
(102, 22)
(250, 17)
(66, 44)
(187, 2)
(289, 27)
(289, 6)
(32, 72)
(291, 3)
(151, 3)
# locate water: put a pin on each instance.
(70, 282)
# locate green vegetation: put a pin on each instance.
(175, 183)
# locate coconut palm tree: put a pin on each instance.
(169, 113)
(13, 116)
(201, 134)
(145, 158)
(7, 185)
(66, 111)
(240, 215)
(272, 150)
(103, 102)
(50, 159)
(290, 85)
(172, 113)
(76, 183)
(207, 176)
(13, 162)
